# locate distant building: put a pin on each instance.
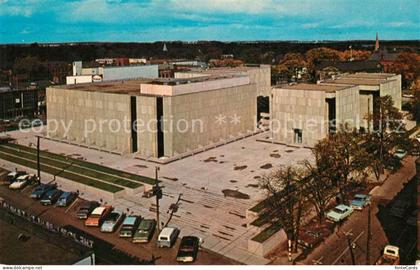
(331, 69)
(384, 56)
(110, 73)
(22, 102)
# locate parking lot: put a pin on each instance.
(67, 217)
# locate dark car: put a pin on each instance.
(399, 208)
(188, 249)
(86, 208)
(145, 231)
(39, 191)
(66, 199)
(51, 197)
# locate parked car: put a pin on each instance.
(66, 199)
(145, 231)
(11, 177)
(98, 215)
(86, 208)
(167, 237)
(339, 213)
(129, 226)
(418, 137)
(112, 221)
(412, 219)
(21, 182)
(400, 153)
(188, 249)
(40, 190)
(51, 197)
(399, 208)
(360, 201)
(392, 163)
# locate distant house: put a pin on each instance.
(330, 69)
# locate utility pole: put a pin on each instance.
(353, 261)
(368, 236)
(37, 158)
(157, 191)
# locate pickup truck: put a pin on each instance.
(390, 256)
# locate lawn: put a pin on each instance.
(69, 167)
(88, 165)
(65, 174)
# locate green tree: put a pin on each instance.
(388, 133)
(341, 159)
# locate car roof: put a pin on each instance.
(130, 220)
(342, 207)
(98, 210)
(167, 231)
(361, 196)
(23, 177)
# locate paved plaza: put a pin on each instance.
(202, 181)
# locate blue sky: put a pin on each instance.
(152, 20)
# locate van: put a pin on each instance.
(167, 237)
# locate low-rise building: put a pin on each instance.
(110, 73)
(21, 102)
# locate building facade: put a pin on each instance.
(153, 118)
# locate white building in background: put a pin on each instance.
(110, 73)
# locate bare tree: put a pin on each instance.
(285, 200)
(319, 189)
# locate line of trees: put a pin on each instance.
(342, 161)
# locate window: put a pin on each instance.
(297, 135)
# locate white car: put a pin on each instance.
(339, 213)
(400, 153)
(21, 182)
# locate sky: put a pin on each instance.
(26, 21)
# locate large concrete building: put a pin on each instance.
(303, 114)
(260, 75)
(371, 87)
(172, 116)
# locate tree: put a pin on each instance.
(319, 188)
(408, 65)
(341, 159)
(285, 200)
(388, 133)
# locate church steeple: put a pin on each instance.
(377, 42)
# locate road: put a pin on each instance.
(335, 249)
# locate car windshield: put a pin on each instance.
(113, 216)
(400, 151)
(339, 211)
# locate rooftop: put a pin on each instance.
(370, 75)
(313, 87)
(357, 81)
(134, 86)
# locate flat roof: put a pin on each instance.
(369, 75)
(357, 81)
(313, 87)
(133, 86)
(224, 70)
